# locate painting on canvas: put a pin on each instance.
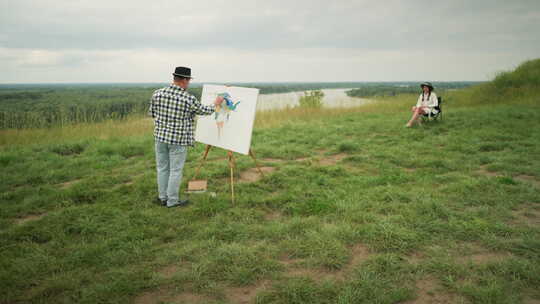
(230, 127)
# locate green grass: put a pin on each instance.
(452, 205)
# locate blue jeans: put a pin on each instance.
(170, 161)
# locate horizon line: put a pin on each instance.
(229, 82)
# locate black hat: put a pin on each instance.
(182, 72)
(427, 84)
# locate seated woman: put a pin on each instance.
(426, 104)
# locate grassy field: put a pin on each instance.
(353, 208)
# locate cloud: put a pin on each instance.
(225, 65)
(381, 25)
(309, 38)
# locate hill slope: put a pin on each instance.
(354, 209)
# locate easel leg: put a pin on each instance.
(231, 165)
(256, 162)
(205, 155)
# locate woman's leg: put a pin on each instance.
(416, 115)
(421, 111)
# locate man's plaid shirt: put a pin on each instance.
(174, 110)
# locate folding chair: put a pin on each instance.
(427, 117)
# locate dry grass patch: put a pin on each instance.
(479, 255)
(169, 271)
(273, 215)
(528, 179)
(486, 257)
(252, 175)
(359, 254)
(528, 214)
(290, 262)
(68, 183)
(272, 160)
(332, 159)
(168, 293)
(245, 295)
(429, 290)
(187, 297)
(415, 258)
(321, 151)
(484, 171)
(293, 268)
(361, 169)
(314, 274)
(132, 126)
(133, 178)
(29, 218)
(531, 301)
(165, 295)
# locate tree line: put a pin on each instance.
(37, 106)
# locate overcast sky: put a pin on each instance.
(252, 40)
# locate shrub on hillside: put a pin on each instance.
(312, 99)
(526, 75)
(68, 149)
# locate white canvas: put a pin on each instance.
(229, 128)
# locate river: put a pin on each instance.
(333, 98)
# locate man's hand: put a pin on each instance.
(218, 101)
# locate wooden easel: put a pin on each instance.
(232, 165)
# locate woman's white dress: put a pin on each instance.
(428, 102)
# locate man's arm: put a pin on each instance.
(199, 109)
(151, 108)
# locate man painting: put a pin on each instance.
(174, 111)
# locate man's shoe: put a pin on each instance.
(181, 203)
(160, 202)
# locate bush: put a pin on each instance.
(348, 147)
(527, 74)
(312, 99)
(68, 149)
